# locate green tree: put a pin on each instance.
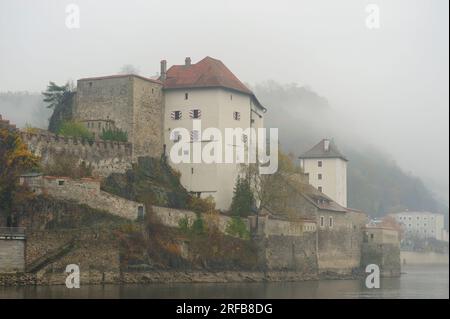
(60, 100)
(243, 199)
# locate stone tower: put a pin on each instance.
(129, 102)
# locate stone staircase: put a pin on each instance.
(50, 257)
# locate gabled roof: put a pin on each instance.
(320, 151)
(208, 72)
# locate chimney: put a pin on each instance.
(187, 61)
(163, 70)
(326, 145)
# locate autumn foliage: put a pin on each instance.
(15, 159)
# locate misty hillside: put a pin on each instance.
(23, 108)
(375, 183)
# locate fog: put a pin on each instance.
(388, 87)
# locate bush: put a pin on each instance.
(115, 134)
(200, 205)
(184, 224)
(198, 226)
(74, 129)
(237, 228)
(67, 165)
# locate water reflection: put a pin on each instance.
(417, 282)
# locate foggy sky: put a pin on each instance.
(389, 85)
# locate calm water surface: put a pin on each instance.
(416, 282)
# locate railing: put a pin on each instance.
(12, 231)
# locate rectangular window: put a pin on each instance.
(195, 136)
(319, 176)
(237, 116)
(176, 136)
(319, 163)
(322, 221)
(195, 114)
(176, 115)
(186, 96)
(319, 188)
(330, 222)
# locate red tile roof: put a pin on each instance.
(208, 72)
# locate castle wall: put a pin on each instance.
(105, 157)
(87, 191)
(381, 246)
(339, 245)
(287, 244)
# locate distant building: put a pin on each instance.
(327, 170)
(422, 224)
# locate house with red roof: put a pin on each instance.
(154, 111)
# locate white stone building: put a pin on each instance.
(327, 170)
(207, 91)
(422, 224)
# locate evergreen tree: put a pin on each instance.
(59, 99)
(243, 198)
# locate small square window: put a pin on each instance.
(176, 115)
(60, 183)
(176, 136)
(195, 136)
(195, 114)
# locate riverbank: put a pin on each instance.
(423, 258)
(149, 277)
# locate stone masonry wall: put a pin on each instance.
(105, 157)
(287, 245)
(12, 258)
(148, 118)
(87, 191)
(339, 246)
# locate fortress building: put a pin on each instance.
(150, 109)
(327, 170)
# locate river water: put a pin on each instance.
(415, 282)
